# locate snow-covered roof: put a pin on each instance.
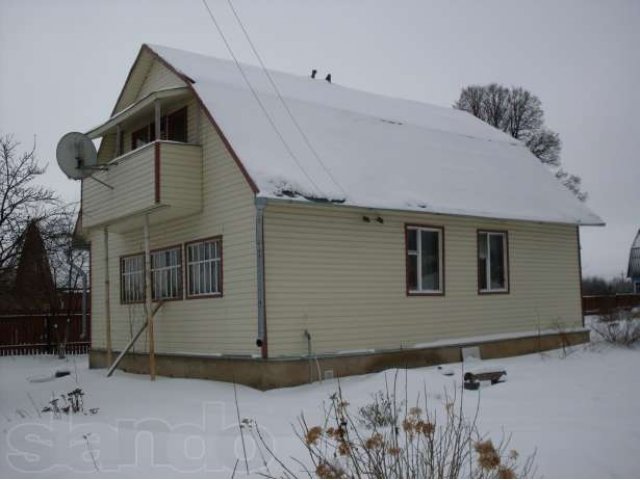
(633, 270)
(370, 150)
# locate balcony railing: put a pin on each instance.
(163, 179)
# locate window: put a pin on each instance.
(637, 286)
(424, 260)
(143, 136)
(493, 262)
(172, 127)
(166, 274)
(132, 279)
(204, 268)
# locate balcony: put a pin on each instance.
(162, 179)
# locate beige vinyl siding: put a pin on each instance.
(134, 188)
(135, 81)
(226, 325)
(342, 279)
(181, 176)
(158, 77)
(107, 149)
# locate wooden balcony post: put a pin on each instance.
(118, 150)
(148, 299)
(158, 119)
(107, 297)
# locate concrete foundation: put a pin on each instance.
(274, 373)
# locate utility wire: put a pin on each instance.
(255, 95)
(284, 103)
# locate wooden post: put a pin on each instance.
(107, 297)
(158, 120)
(199, 140)
(147, 295)
(118, 150)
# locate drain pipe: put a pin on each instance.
(312, 358)
(261, 341)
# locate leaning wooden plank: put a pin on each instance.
(126, 349)
(133, 340)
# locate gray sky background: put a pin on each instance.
(63, 63)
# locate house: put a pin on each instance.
(633, 271)
(317, 226)
(35, 316)
(28, 286)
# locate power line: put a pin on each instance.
(255, 95)
(284, 103)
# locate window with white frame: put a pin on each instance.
(493, 267)
(424, 260)
(166, 274)
(204, 268)
(132, 279)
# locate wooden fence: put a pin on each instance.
(42, 333)
(603, 304)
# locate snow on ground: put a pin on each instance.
(580, 412)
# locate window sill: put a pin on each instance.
(209, 295)
(501, 291)
(425, 293)
(172, 299)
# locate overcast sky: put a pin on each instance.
(63, 63)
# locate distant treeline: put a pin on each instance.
(600, 286)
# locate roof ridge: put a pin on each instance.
(351, 89)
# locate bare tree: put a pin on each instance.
(495, 105)
(21, 199)
(519, 113)
(596, 285)
(68, 265)
(546, 145)
(572, 182)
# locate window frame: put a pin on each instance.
(166, 123)
(149, 129)
(507, 271)
(181, 271)
(441, 260)
(121, 278)
(220, 293)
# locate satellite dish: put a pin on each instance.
(76, 155)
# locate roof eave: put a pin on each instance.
(133, 109)
(267, 199)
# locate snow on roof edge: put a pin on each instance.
(299, 200)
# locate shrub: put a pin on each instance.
(620, 327)
(379, 413)
(382, 440)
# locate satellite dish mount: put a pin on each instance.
(77, 157)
